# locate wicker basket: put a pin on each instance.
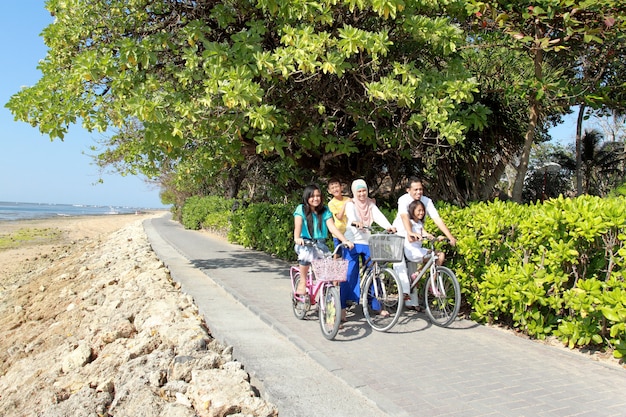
(329, 269)
(386, 248)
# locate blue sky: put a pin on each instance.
(565, 133)
(32, 168)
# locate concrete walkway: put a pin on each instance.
(414, 370)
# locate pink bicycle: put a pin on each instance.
(321, 291)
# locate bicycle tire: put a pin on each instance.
(330, 311)
(442, 297)
(382, 299)
(299, 308)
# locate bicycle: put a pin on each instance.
(381, 292)
(441, 291)
(321, 290)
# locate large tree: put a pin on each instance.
(556, 34)
(205, 88)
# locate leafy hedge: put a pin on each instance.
(207, 213)
(556, 268)
(265, 227)
(551, 269)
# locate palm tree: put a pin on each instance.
(601, 163)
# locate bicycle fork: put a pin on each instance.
(379, 289)
(435, 283)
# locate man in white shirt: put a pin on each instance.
(402, 223)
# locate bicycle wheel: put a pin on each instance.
(442, 296)
(382, 299)
(299, 307)
(330, 311)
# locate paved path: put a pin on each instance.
(414, 370)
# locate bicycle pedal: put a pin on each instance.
(435, 291)
(306, 300)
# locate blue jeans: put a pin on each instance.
(350, 289)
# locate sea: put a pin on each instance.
(26, 211)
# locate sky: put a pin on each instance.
(565, 133)
(34, 169)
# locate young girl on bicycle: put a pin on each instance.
(312, 221)
(414, 251)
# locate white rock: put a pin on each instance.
(182, 399)
(77, 358)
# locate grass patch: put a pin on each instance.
(28, 236)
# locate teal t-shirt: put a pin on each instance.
(319, 233)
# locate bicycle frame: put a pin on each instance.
(431, 266)
(441, 290)
(368, 267)
(313, 287)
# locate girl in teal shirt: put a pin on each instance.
(312, 221)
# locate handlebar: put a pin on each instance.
(370, 228)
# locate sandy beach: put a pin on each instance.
(31, 255)
(92, 324)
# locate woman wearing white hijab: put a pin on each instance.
(360, 212)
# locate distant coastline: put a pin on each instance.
(10, 211)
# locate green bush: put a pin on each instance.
(547, 269)
(207, 212)
(265, 227)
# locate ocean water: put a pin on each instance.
(25, 211)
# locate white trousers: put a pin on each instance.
(400, 268)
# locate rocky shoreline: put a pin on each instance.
(96, 327)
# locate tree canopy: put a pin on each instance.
(212, 92)
(209, 86)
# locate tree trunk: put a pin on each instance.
(579, 154)
(522, 168)
(534, 112)
(234, 180)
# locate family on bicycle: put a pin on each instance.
(350, 220)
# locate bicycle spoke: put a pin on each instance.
(442, 297)
(382, 300)
(329, 311)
